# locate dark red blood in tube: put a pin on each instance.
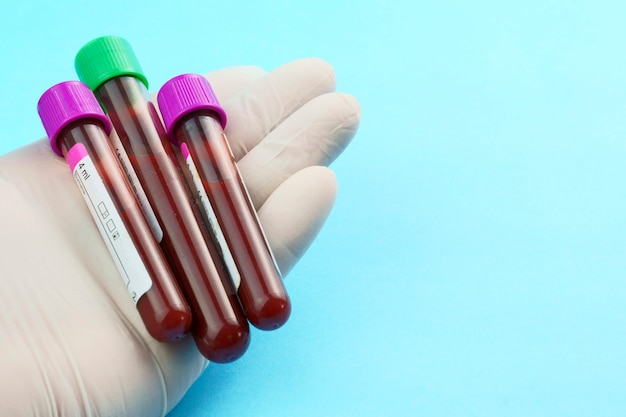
(219, 326)
(163, 309)
(261, 292)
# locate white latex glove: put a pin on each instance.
(71, 340)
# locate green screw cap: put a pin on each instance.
(105, 58)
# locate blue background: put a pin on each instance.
(474, 264)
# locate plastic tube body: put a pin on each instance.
(165, 313)
(219, 326)
(261, 291)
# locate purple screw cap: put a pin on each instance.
(65, 103)
(184, 94)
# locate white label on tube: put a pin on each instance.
(214, 225)
(110, 224)
(122, 156)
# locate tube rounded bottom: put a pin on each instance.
(271, 314)
(165, 325)
(228, 345)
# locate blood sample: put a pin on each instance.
(78, 130)
(194, 120)
(109, 67)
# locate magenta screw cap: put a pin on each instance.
(65, 103)
(184, 94)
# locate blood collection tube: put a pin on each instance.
(78, 130)
(110, 68)
(194, 121)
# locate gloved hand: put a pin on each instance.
(71, 340)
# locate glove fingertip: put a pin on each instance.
(295, 213)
